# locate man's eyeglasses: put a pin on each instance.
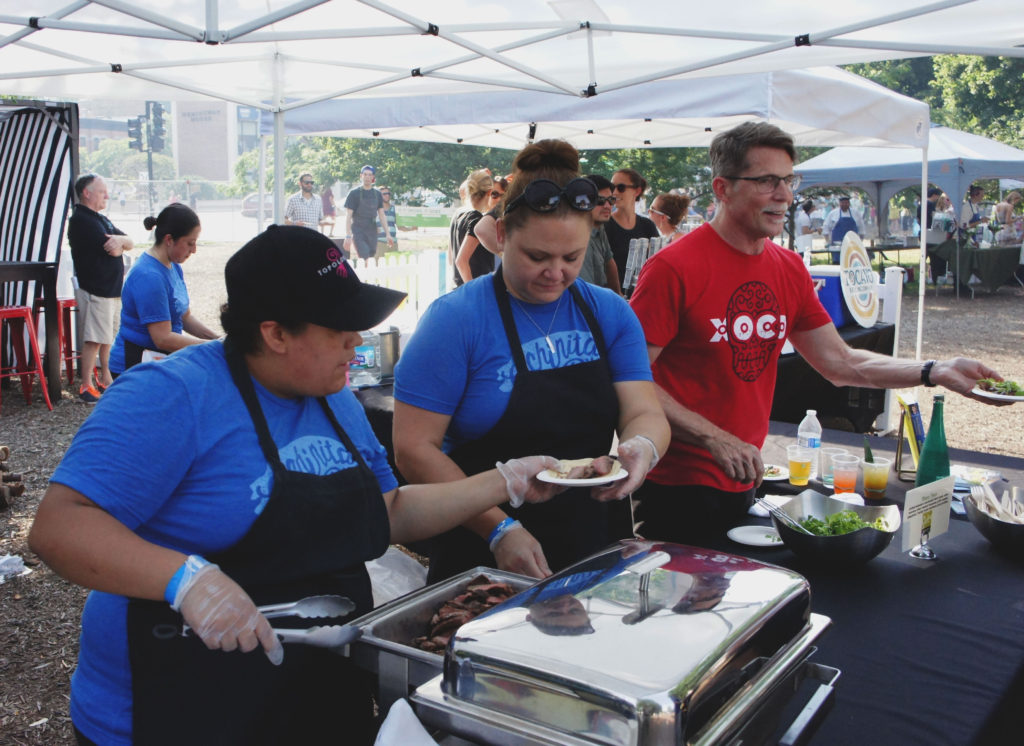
(308, 183)
(604, 201)
(385, 194)
(770, 182)
(544, 195)
(620, 188)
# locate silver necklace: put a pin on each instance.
(547, 334)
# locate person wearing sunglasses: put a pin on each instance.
(486, 229)
(529, 358)
(305, 208)
(667, 211)
(598, 265)
(628, 187)
(717, 306)
(469, 258)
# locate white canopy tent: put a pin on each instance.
(955, 160)
(283, 55)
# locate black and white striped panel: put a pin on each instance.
(38, 156)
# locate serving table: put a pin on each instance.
(44, 273)
(931, 652)
(993, 266)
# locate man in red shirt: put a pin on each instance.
(717, 307)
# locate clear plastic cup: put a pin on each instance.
(876, 476)
(844, 472)
(800, 458)
(826, 463)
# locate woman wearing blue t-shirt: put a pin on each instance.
(154, 303)
(529, 358)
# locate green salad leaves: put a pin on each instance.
(843, 522)
(1009, 388)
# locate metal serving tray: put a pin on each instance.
(384, 647)
(642, 643)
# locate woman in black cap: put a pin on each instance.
(528, 358)
(244, 473)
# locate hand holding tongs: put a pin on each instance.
(312, 607)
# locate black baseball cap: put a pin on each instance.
(293, 274)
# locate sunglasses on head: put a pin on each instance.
(622, 187)
(544, 195)
(604, 201)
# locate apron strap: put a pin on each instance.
(505, 308)
(345, 440)
(243, 382)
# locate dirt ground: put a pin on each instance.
(39, 612)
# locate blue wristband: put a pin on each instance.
(172, 585)
(500, 530)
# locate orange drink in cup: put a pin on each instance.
(799, 464)
(876, 475)
(844, 472)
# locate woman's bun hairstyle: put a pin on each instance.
(149, 222)
(555, 160)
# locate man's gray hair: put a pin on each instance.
(729, 149)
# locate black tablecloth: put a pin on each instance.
(930, 652)
(994, 266)
(799, 387)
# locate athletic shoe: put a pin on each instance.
(101, 388)
(89, 394)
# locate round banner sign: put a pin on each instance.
(858, 280)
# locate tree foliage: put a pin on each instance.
(983, 95)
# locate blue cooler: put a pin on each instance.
(831, 295)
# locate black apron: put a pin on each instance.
(568, 413)
(312, 538)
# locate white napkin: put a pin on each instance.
(777, 500)
(403, 728)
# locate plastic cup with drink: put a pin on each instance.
(844, 472)
(876, 475)
(800, 458)
(826, 463)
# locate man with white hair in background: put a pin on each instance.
(96, 248)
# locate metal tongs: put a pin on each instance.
(783, 516)
(315, 607)
(312, 607)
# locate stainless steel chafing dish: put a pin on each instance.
(385, 646)
(643, 643)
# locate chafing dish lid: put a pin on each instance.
(641, 625)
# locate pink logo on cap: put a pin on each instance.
(336, 261)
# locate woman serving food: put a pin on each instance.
(526, 359)
(155, 312)
(254, 478)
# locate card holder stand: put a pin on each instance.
(902, 474)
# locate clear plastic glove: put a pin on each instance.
(637, 457)
(223, 615)
(519, 552)
(520, 479)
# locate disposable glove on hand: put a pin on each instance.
(223, 615)
(520, 479)
(638, 456)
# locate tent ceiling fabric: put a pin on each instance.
(265, 52)
(825, 106)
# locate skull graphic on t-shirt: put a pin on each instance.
(754, 326)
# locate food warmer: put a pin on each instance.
(641, 643)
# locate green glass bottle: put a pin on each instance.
(934, 462)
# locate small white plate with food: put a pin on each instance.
(755, 536)
(775, 473)
(583, 467)
(990, 388)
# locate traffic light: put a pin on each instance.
(135, 133)
(156, 138)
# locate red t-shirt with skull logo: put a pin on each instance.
(721, 317)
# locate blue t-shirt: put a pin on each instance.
(459, 362)
(152, 293)
(180, 465)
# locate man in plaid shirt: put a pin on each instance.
(305, 208)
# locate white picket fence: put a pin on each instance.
(422, 275)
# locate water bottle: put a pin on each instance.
(809, 436)
(933, 463)
(364, 370)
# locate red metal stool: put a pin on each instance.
(65, 330)
(20, 325)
